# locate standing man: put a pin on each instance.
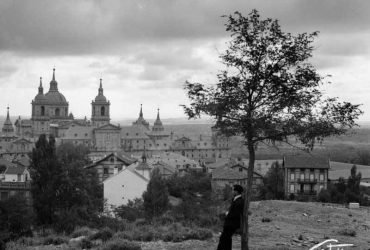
(233, 219)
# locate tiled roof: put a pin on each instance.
(133, 132)
(143, 166)
(15, 170)
(119, 156)
(108, 127)
(161, 164)
(228, 174)
(341, 169)
(6, 163)
(78, 133)
(21, 140)
(306, 161)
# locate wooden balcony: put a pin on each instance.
(15, 185)
(307, 181)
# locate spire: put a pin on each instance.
(158, 115)
(158, 124)
(7, 115)
(141, 110)
(101, 87)
(8, 126)
(53, 83)
(41, 89)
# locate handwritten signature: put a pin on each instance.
(328, 245)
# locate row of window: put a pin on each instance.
(311, 177)
(306, 188)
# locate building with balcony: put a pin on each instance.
(305, 175)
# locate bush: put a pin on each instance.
(55, 240)
(119, 244)
(324, 196)
(85, 244)
(103, 234)
(109, 222)
(83, 231)
(348, 232)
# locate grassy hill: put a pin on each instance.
(293, 225)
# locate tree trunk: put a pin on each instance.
(247, 197)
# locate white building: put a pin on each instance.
(124, 186)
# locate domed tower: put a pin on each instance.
(57, 105)
(39, 117)
(100, 109)
(158, 126)
(8, 129)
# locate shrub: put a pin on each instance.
(83, 231)
(119, 244)
(85, 244)
(348, 232)
(103, 234)
(109, 222)
(29, 241)
(55, 240)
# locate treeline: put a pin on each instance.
(346, 191)
(64, 194)
(192, 201)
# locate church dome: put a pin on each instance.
(40, 97)
(54, 96)
(100, 98)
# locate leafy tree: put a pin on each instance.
(268, 92)
(273, 183)
(45, 171)
(156, 196)
(353, 193)
(61, 188)
(16, 217)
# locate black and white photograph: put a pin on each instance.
(184, 124)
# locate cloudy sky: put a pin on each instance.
(146, 49)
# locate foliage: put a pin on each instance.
(16, 218)
(120, 244)
(55, 240)
(83, 231)
(269, 91)
(156, 196)
(103, 234)
(273, 183)
(343, 192)
(64, 193)
(132, 211)
(170, 232)
(192, 182)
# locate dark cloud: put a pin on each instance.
(46, 27)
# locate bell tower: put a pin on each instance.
(100, 108)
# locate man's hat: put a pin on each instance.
(238, 188)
